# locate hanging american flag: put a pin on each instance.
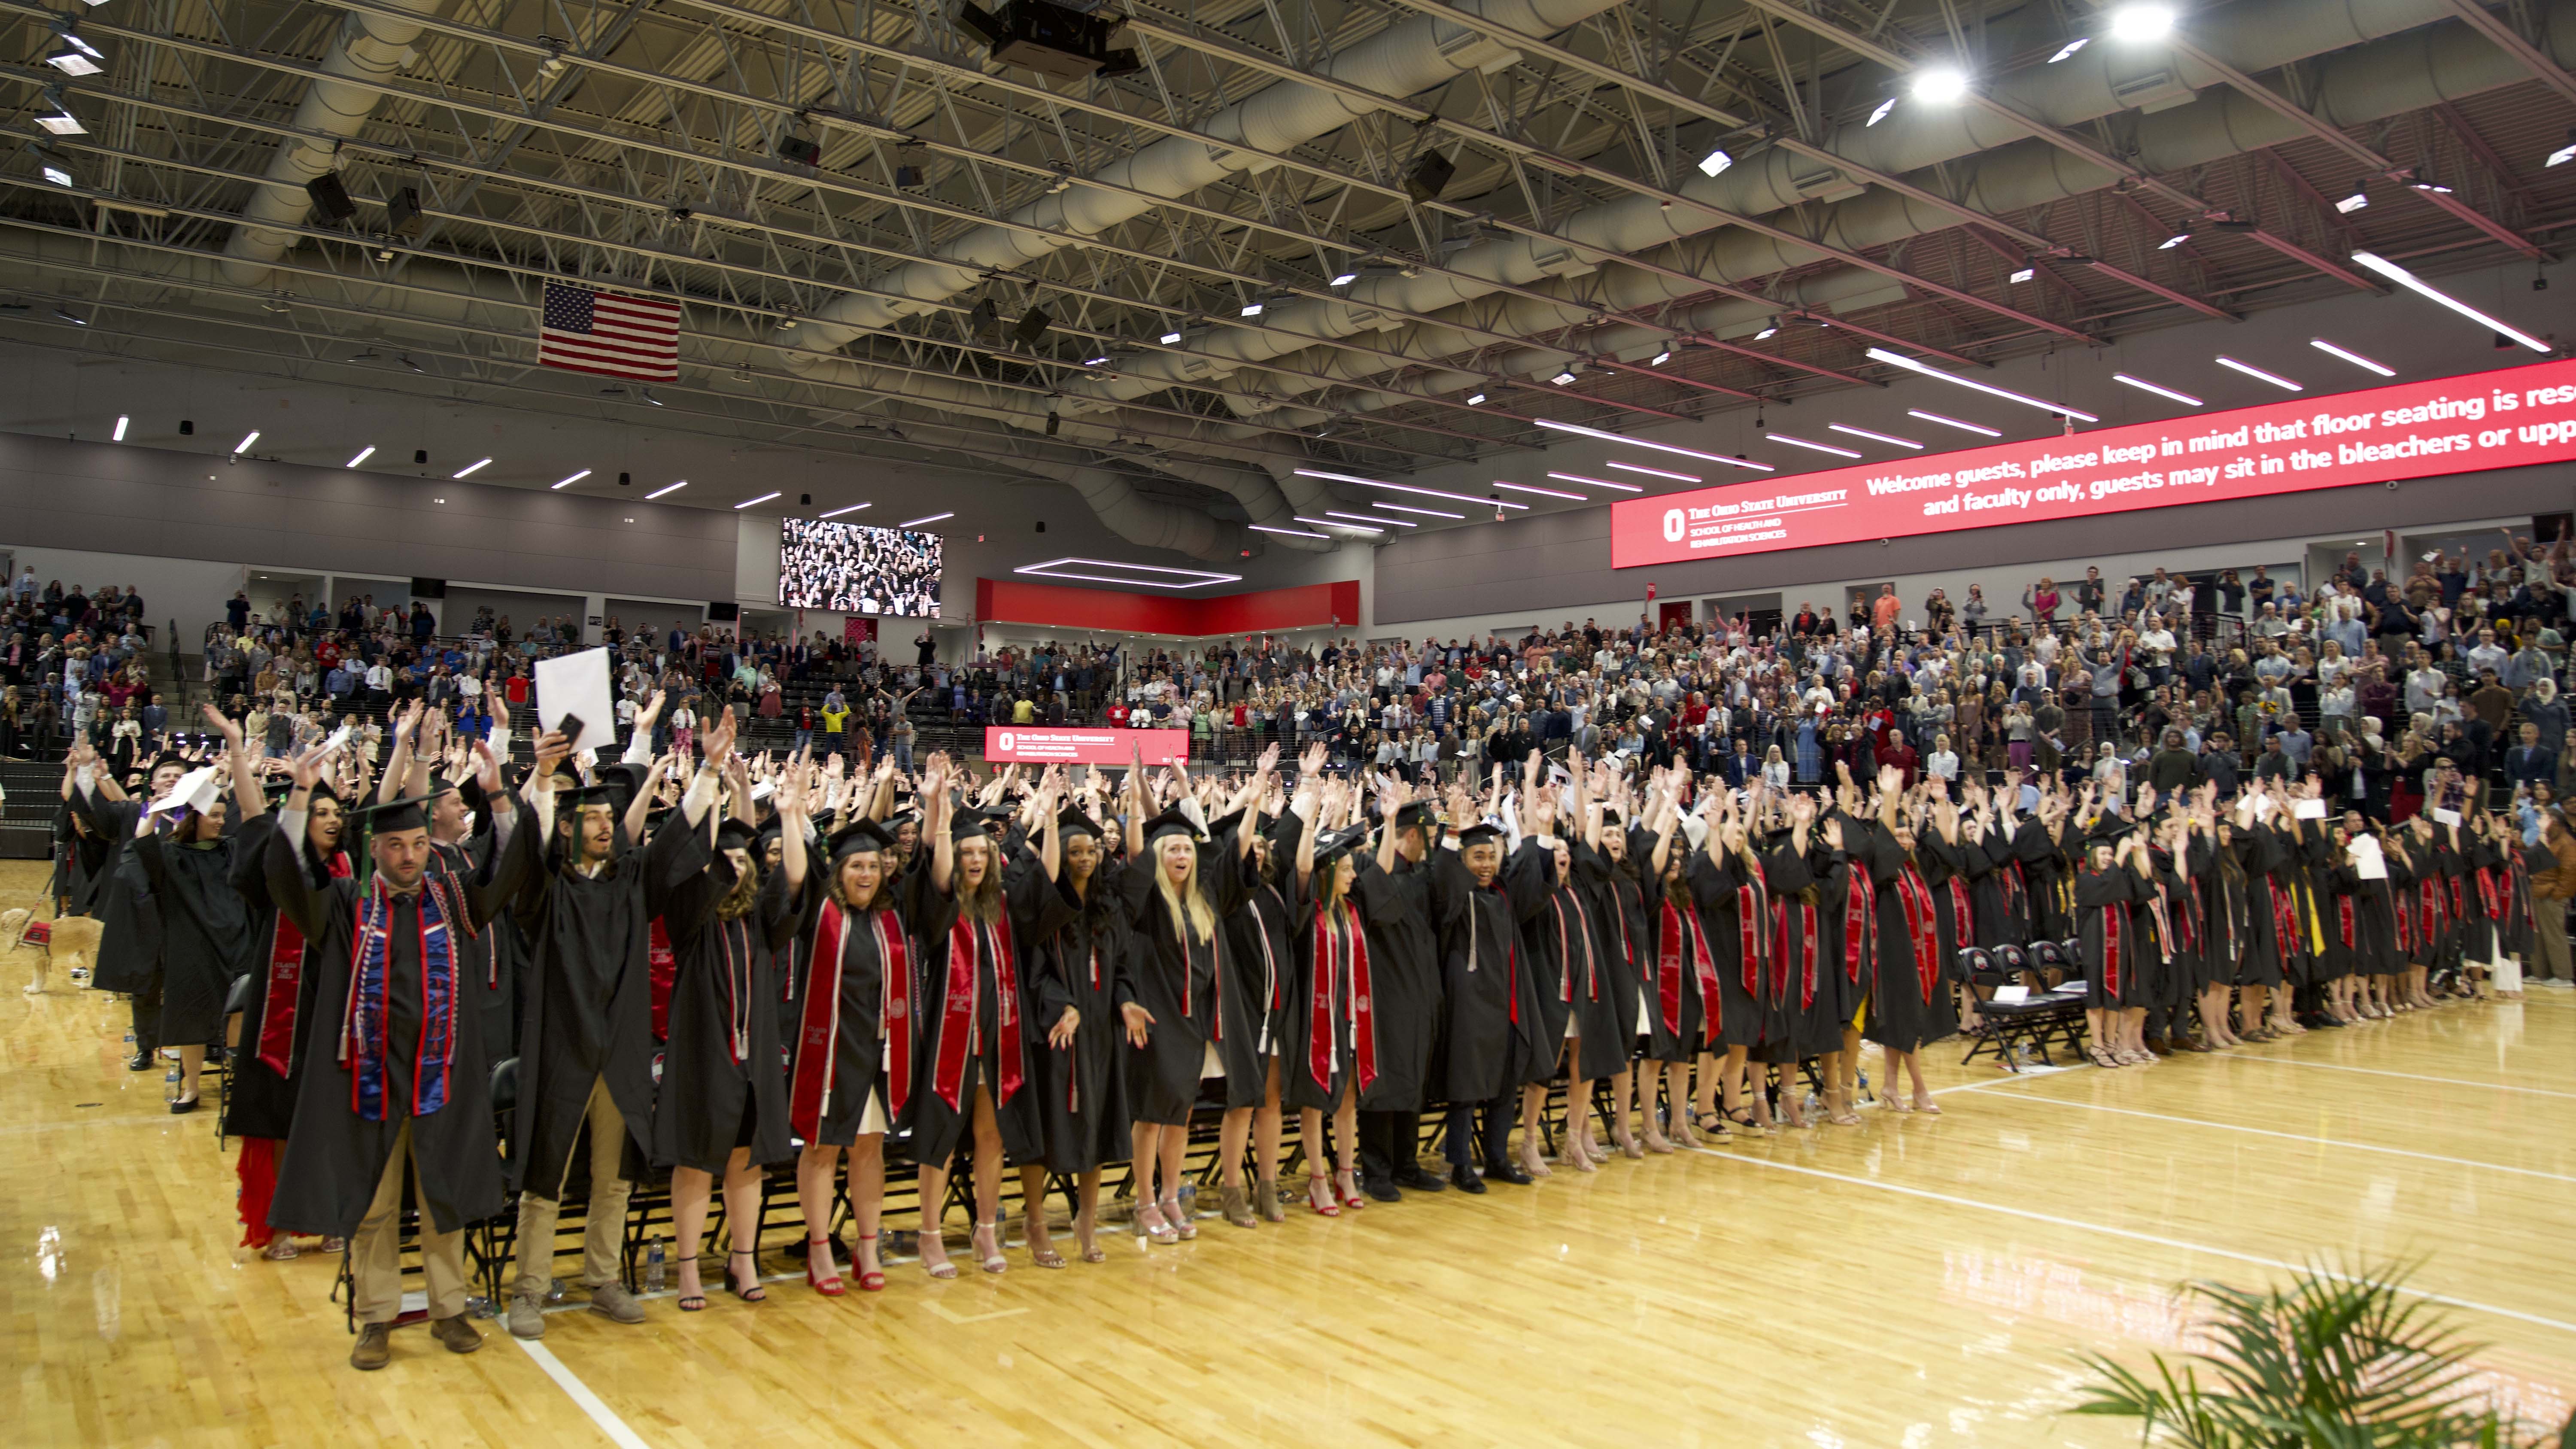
(609, 334)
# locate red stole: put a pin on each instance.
(1963, 917)
(1564, 950)
(1752, 916)
(286, 985)
(819, 1031)
(2405, 922)
(1921, 923)
(1860, 916)
(1780, 916)
(1339, 951)
(665, 967)
(1669, 967)
(2111, 931)
(2285, 921)
(958, 1024)
(2343, 910)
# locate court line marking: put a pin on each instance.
(2132, 1234)
(2409, 1076)
(2292, 1136)
(591, 1404)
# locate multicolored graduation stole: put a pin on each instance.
(286, 985)
(364, 1049)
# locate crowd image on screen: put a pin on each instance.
(855, 570)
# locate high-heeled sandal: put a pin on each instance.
(693, 1302)
(1319, 1195)
(1742, 1118)
(943, 1270)
(1149, 1221)
(871, 1280)
(1086, 1236)
(831, 1287)
(748, 1288)
(1348, 1185)
(1180, 1220)
(1630, 1148)
(988, 1248)
(2101, 1057)
(1928, 1107)
(1041, 1244)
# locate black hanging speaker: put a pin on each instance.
(402, 211)
(330, 197)
(1429, 176)
(187, 429)
(723, 613)
(1032, 325)
(429, 588)
(800, 150)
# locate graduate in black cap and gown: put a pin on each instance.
(1480, 901)
(1330, 1042)
(187, 854)
(129, 935)
(1254, 995)
(1394, 891)
(1077, 964)
(463, 837)
(395, 1069)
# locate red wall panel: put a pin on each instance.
(1110, 611)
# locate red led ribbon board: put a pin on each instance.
(1054, 745)
(2507, 418)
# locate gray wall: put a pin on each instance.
(521, 607)
(1562, 560)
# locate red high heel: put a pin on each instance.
(1319, 1195)
(828, 1287)
(871, 1280)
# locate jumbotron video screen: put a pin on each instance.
(852, 569)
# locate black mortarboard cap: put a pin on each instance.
(1073, 822)
(736, 834)
(409, 813)
(1479, 833)
(1333, 844)
(861, 835)
(1415, 813)
(1170, 822)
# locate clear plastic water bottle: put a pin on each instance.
(653, 1260)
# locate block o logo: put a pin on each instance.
(1673, 526)
(1006, 740)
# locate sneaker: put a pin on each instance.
(612, 1301)
(375, 1347)
(527, 1317)
(457, 1334)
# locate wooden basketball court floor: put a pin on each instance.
(1911, 1282)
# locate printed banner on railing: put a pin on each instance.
(1044, 745)
(2507, 418)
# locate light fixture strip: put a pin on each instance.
(470, 469)
(1819, 447)
(666, 488)
(1658, 447)
(1399, 487)
(2348, 355)
(1895, 359)
(934, 518)
(1952, 423)
(566, 483)
(853, 508)
(2421, 288)
(2259, 375)
(1653, 472)
(1889, 438)
(1596, 482)
(1542, 492)
(2142, 385)
(748, 502)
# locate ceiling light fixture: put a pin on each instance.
(1895, 359)
(244, 445)
(584, 473)
(1563, 378)
(1101, 361)
(1715, 163)
(1399, 487)
(1661, 358)
(2137, 24)
(746, 503)
(2566, 153)
(1951, 423)
(1252, 309)
(1642, 443)
(56, 172)
(77, 320)
(1344, 279)
(1541, 492)
(2348, 355)
(1939, 84)
(1654, 472)
(853, 508)
(2024, 274)
(2142, 385)
(1336, 523)
(1769, 330)
(2421, 182)
(1880, 113)
(667, 488)
(934, 518)
(1409, 508)
(1364, 518)
(2177, 239)
(119, 435)
(1171, 339)
(1192, 578)
(1596, 482)
(1475, 399)
(63, 123)
(1286, 532)
(1890, 438)
(1819, 447)
(2069, 48)
(470, 469)
(364, 454)
(2259, 375)
(2417, 285)
(2359, 197)
(76, 57)
(648, 392)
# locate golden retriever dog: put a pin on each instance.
(73, 937)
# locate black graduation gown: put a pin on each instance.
(938, 1129)
(1327, 987)
(1903, 1016)
(489, 954)
(586, 1012)
(1618, 899)
(1678, 1000)
(1404, 981)
(1842, 972)
(1741, 1019)
(855, 1034)
(2271, 910)
(1599, 988)
(81, 858)
(721, 1077)
(1563, 944)
(335, 1157)
(1792, 986)
(1258, 990)
(1946, 868)
(129, 935)
(205, 937)
(2102, 903)
(1490, 995)
(261, 1102)
(1078, 958)
(1175, 979)
(1996, 895)
(2050, 874)
(2226, 922)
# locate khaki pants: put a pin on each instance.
(375, 1254)
(2553, 963)
(603, 1227)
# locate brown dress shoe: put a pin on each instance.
(456, 1333)
(375, 1346)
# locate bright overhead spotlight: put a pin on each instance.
(1894, 359)
(2566, 153)
(1400, 488)
(2068, 50)
(667, 488)
(56, 173)
(2428, 184)
(1818, 447)
(2359, 197)
(2177, 239)
(1187, 578)
(934, 518)
(584, 473)
(119, 435)
(1562, 378)
(2415, 284)
(1939, 84)
(1879, 113)
(1952, 423)
(470, 469)
(1769, 330)
(1658, 447)
(1654, 472)
(63, 123)
(1171, 339)
(364, 454)
(1661, 358)
(76, 57)
(746, 503)
(244, 445)
(77, 320)
(1596, 482)
(1286, 532)
(1336, 523)
(1344, 279)
(853, 508)
(2348, 355)
(1408, 508)
(2259, 375)
(1364, 518)
(1541, 492)
(1475, 399)
(1889, 438)
(2142, 385)
(648, 392)
(2024, 274)
(1715, 163)
(1101, 361)
(2137, 24)
(1252, 309)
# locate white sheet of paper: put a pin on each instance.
(339, 737)
(195, 791)
(577, 684)
(2367, 862)
(2312, 810)
(2010, 994)
(2446, 817)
